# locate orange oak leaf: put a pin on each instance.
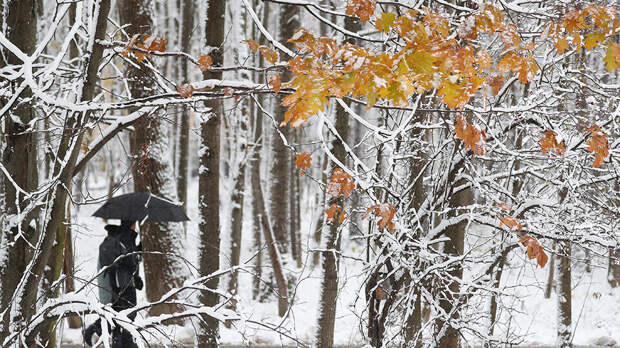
(303, 160)
(549, 143)
(385, 212)
(534, 250)
(512, 223)
(598, 145)
(275, 83)
(332, 211)
(335, 211)
(205, 62)
(153, 43)
(185, 90)
(340, 183)
(142, 47)
(253, 45)
(473, 137)
(362, 9)
(269, 54)
(496, 82)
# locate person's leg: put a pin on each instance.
(117, 338)
(128, 341)
(94, 328)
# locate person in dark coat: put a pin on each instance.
(119, 281)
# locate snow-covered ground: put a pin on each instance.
(596, 307)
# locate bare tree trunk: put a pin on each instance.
(236, 228)
(551, 277)
(73, 132)
(19, 158)
(446, 334)
(151, 171)
(74, 321)
(274, 253)
(187, 25)
(613, 267)
(293, 204)
(255, 176)
(257, 198)
(329, 286)
(209, 177)
(564, 292)
(414, 320)
(280, 169)
(320, 221)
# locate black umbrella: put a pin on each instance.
(141, 206)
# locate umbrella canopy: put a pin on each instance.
(141, 206)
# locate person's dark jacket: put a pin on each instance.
(122, 274)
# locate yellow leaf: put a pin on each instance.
(592, 39)
(385, 22)
(612, 56)
(561, 44)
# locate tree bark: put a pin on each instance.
(19, 158)
(274, 255)
(280, 169)
(551, 277)
(294, 212)
(151, 171)
(320, 221)
(613, 267)
(447, 335)
(187, 25)
(209, 177)
(73, 133)
(257, 199)
(329, 286)
(564, 293)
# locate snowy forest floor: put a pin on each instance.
(596, 306)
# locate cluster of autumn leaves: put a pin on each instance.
(431, 57)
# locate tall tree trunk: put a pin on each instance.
(274, 253)
(73, 133)
(551, 278)
(280, 169)
(209, 177)
(187, 25)
(446, 334)
(237, 224)
(329, 286)
(257, 198)
(320, 221)
(19, 158)
(74, 321)
(293, 204)
(255, 176)
(564, 293)
(414, 320)
(151, 170)
(613, 266)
